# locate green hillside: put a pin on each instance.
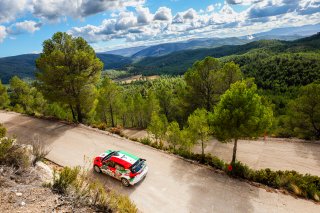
(24, 65)
(273, 63)
(179, 62)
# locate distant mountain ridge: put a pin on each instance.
(178, 62)
(24, 65)
(126, 52)
(286, 33)
(164, 49)
(173, 63)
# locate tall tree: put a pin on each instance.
(158, 126)
(201, 81)
(199, 127)
(305, 112)
(240, 113)
(68, 70)
(4, 98)
(109, 98)
(25, 98)
(20, 94)
(229, 74)
(173, 134)
(208, 79)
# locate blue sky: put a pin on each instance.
(112, 24)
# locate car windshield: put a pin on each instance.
(114, 153)
(137, 166)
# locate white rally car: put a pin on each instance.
(121, 165)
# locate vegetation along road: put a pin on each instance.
(172, 185)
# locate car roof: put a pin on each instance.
(124, 158)
(120, 161)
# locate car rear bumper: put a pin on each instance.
(139, 177)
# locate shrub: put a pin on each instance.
(101, 126)
(40, 151)
(3, 131)
(240, 170)
(116, 130)
(145, 141)
(17, 156)
(121, 203)
(62, 181)
(215, 162)
(78, 183)
(134, 139)
(5, 145)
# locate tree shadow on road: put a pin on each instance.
(209, 191)
(307, 150)
(24, 128)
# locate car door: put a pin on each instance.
(119, 171)
(108, 168)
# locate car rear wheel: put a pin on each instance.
(97, 169)
(125, 182)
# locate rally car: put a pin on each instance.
(122, 166)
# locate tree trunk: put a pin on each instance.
(123, 121)
(208, 104)
(79, 113)
(72, 111)
(234, 151)
(105, 119)
(111, 115)
(202, 146)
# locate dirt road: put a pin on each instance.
(274, 153)
(172, 185)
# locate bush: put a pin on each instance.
(215, 162)
(134, 139)
(40, 151)
(240, 170)
(145, 141)
(121, 203)
(5, 145)
(62, 181)
(78, 183)
(101, 126)
(3, 131)
(17, 156)
(116, 130)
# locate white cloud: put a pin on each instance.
(23, 27)
(244, 2)
(190, 14)
(3, 33)
(144, 15)
(139, 27)
(163, 14)
(9, 9)
(210, 8)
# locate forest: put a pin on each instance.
(271, 90)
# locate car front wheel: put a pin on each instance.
(97, 169)
(125, 182)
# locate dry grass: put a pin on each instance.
(40, 150)
(87, 191)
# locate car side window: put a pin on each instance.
(119, 167)
(110, 163)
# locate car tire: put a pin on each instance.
(125, 182)
(97, 169)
